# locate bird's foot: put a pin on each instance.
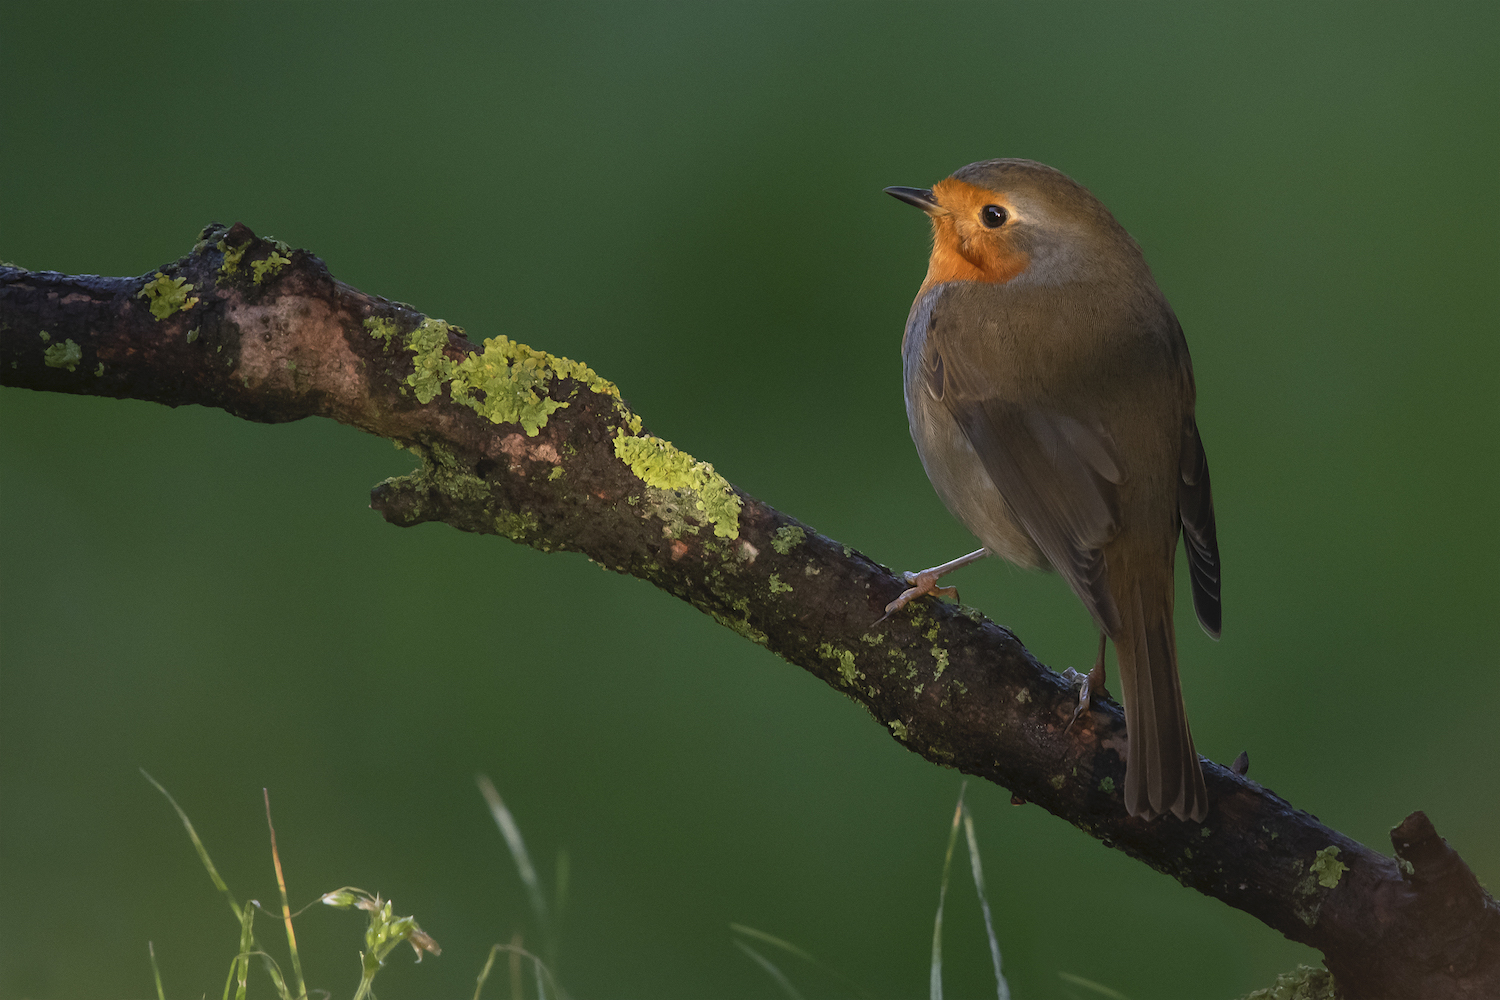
(1087, 684)
(920, 585)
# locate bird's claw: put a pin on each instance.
(919, 585)
(1087, 684)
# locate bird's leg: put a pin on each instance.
(1088, 683)
(924, 583)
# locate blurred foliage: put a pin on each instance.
(687, 198)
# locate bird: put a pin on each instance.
(1051, 399)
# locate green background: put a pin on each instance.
(688, 198)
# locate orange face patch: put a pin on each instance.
(963, 248)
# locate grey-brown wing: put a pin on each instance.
(1060, 480)
(1195, 505)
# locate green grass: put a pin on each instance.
(385, 931)
(531, 974)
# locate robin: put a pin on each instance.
(1050, 396)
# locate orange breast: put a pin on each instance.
(962, 248)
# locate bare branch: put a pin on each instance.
(540, 449)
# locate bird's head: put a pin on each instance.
(1002, 220)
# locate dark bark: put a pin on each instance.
(273, 341)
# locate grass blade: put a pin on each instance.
(156, 972)
(1089, 984)
(563, 875)
(286, 910)
(512, 834)
(208, 863)
(771, 969)
(774, 941)
(517, 989)
(1002, 988)
(807, 957)
(545, 980)
(247, 945)
(536, 968)
(484, 973)
(935, 978)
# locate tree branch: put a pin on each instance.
(542, 450)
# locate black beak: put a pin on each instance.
(923, 198)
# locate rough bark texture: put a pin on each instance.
(267, 334)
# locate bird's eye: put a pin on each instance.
(993, 216)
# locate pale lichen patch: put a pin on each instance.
(505, 383)
(663, 467)
(1327, 867)
(741, 626)
(166, 296)
(260, 270)
(64, 355)
(787, 537)
(231, 263)
(847, 670)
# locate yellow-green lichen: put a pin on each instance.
(100, 370)
(777, 587)
(1107, 785)
(381, 329)
(940, 657)
(45, 336)
(1023, 696)
(232, 257)
(658, 464)
(898, 728)
(1327, 867)
(556, 473)
(507, 383)
(431, 368)
(847, 670)
(1303, 983)
(442, 472)
(260, 270)
(787, 537)
(514, 381)
(192, 334)
(64, 355)
(672, 508)
(515, 525)
(167, 295)
(742, 626)
(1057, 781)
